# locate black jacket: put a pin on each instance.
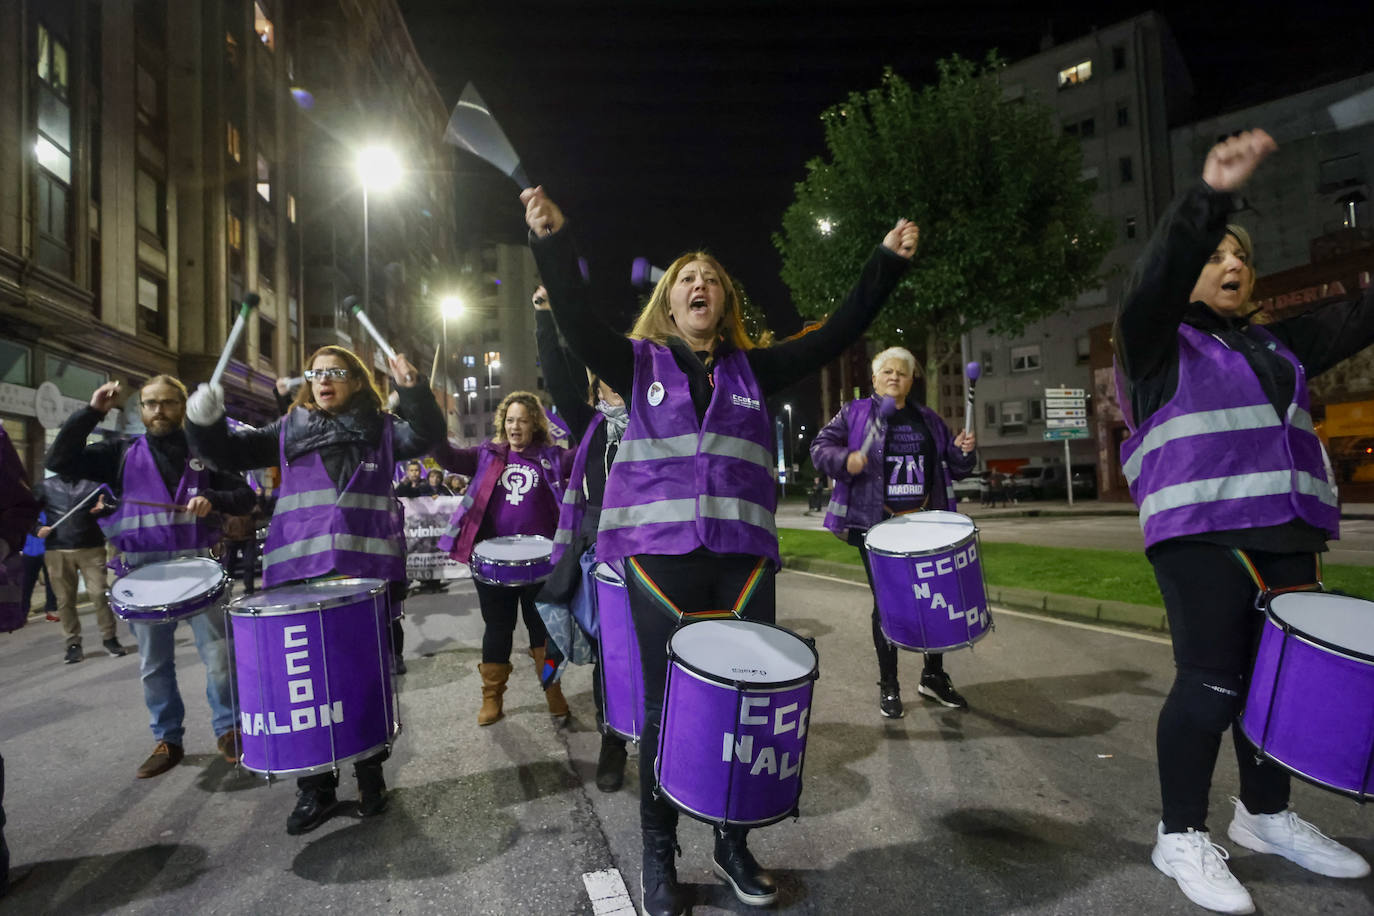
(57, 496)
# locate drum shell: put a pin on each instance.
(213, 598)
(314, 683)
(934, 600)
(732, 754)
(1304, 711)
(622, 675)
(511, 573)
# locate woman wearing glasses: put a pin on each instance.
(336, 436)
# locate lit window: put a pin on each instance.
(235, 232)
(470, 383)
(1080, 72)
(264, 178)
(1024, 359)
(469, 361)
(263, 26)
(291, 207)
(234, 141)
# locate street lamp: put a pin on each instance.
(449, 307)
(379, 169)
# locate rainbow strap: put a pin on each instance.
(741, 601)
(1249, 566)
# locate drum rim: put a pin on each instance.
(596, 574)
(240, 608)
(321, 767)
(1289, 629)
(735, 822)
(512, 537)
(159, 612)
(535, 581)
(756, 686)
(963, 541)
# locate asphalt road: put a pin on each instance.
(1040, 800)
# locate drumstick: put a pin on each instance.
(143, 502)
(72, 511)
(372, 329)
(250, 302)
(886, 408)
(972, 370)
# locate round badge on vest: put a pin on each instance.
(197, 464)
(545, 463)
(656, 393)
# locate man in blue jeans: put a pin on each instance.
(150, 473)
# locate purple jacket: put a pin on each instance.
(18, 512)
(858, 501)
(484, 464)
(1218, 456)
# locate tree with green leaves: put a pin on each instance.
(1008, 232)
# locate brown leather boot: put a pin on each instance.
(558, 704)
(494, 677)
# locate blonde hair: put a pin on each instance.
(655, 321)
(164, 379)
(533, 407)
(900, 353)
(305, 395)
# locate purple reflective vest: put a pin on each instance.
(458, 540)
(841, 515)
(676, 485)
(574, 505)
(1217, 456)
(144, 534)
(318, 530)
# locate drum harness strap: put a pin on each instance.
(1266, 594)
(741, 601)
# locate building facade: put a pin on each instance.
(1116, 90)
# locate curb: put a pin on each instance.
(1097, 610)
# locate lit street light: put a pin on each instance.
(379, 169)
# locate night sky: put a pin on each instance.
(663, 125)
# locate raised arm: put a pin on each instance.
(601, 347)
(72, 456)
(1324, 337)
(1161, 282)
(419, 424)
(779, 366)
(564, 373)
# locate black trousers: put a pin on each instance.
(1209, 597)
(886, 651)
(501, 606)
(698, 581)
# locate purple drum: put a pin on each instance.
(1312, 689)
(928, 581)
(622, 678)
(169, 591)
(314, 675)
(736, 707)
(512, 559)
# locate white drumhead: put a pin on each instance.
(309, 596)
(1337, 620)
(919, 532)
(514, 548)
(168, 583)
(607, 573)
(743, 650)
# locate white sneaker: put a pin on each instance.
(1199, 867)
(1285, 834)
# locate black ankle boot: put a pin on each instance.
(737, 865)
(610, 764)
(658, 887)
(372, 795)
(313, 807)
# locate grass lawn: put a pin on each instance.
(1105, 574)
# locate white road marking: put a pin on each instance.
(608, 893)
(1114, 631)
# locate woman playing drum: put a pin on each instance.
(337, 440)
(912, 466)
(517, 485)
(1236, 498)
(689, 502)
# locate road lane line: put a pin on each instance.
(1096, 627)
(608, 893)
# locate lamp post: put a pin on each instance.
(378, 168)
(449, 307)
(493, 362)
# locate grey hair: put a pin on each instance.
(901, 353)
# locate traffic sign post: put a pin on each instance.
(1066, 418)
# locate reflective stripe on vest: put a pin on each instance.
(735, 447)
(1230, 419)
(1238, 486)
(684, 446)
(350, 542)
(147, 519)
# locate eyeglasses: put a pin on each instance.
(165, 405)
(319, 375)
